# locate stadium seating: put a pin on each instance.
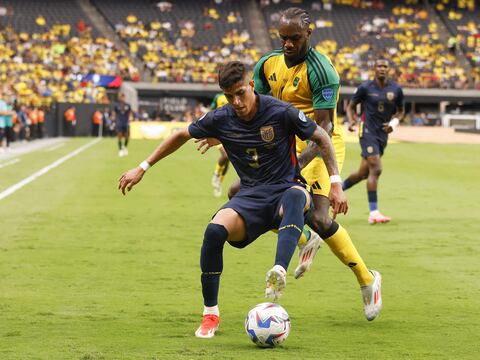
(404, 33)
(182, 41)
(47, 50)
(462, 20)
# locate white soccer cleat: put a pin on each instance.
(378, 218)
(372, 296)
(125, 151)
(306, 254)
(121, 153)
(276, 280)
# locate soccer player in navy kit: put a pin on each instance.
(382, 110)
(122, 112)
(258, 133)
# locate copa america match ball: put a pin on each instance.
(267, 324)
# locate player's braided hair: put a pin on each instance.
(297, 13)
(231, 73)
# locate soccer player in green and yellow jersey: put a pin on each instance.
(221, 166)
(306, 78)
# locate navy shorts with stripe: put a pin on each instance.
(259, 207)
(372, 145)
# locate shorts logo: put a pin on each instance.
(296, 81)
(390, 95)
(267, 133)
(327, 93)
(370, 149)
(302, 116)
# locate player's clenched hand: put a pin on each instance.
(338, 199)
(352, 127)
(130, 178)
(206, 143)
(387, 128)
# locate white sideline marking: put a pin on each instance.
(55, 147)
(27, 180)
(11, 162)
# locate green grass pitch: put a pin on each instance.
(86, 273)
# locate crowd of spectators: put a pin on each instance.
(407, 35)
(177, 52)
(42, 68)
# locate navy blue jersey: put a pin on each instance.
(378, 105)
(122, 113)
(262, 150)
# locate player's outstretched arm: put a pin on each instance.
(351, 109)
(336, 196)
(170, 145)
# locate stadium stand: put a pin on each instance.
(183, 41)
(48, 52)
(462, 19)
(402, 31)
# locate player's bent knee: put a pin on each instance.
(296, 194)
(215, 235)
(320, 222)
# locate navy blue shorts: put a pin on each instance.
(372, 145)
(259, 207)
(122, 128)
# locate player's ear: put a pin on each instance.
(252, 83)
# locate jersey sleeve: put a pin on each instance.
(261, 84)
(400, 98)
(299, 124)
(203, 127)
(324, 83)
(213, 105)
(359, 94)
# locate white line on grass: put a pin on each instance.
(27, 180)
(11, 162)
(55, 147)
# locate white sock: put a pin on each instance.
(211, 310)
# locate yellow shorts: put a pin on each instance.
(316, 172)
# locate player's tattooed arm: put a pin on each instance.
(324, 144)
(324, 118)
(337, 197)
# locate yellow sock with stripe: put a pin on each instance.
(342, 246)
(304, 237)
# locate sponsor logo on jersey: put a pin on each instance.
(267, 133)
(390, 95)
(327, 93)
(370, 149)
(273, 77)
(296, 81)
(302, 116)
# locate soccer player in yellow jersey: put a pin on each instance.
(306, 78)
(221, 166)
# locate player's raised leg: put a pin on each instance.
(355, 177)
(226, 225)
(374, 172)
(294, 203)
(340, 243)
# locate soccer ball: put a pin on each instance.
(267, 324)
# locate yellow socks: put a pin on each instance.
(342, 246)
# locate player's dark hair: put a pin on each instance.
(297, 13)
(231, 73)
